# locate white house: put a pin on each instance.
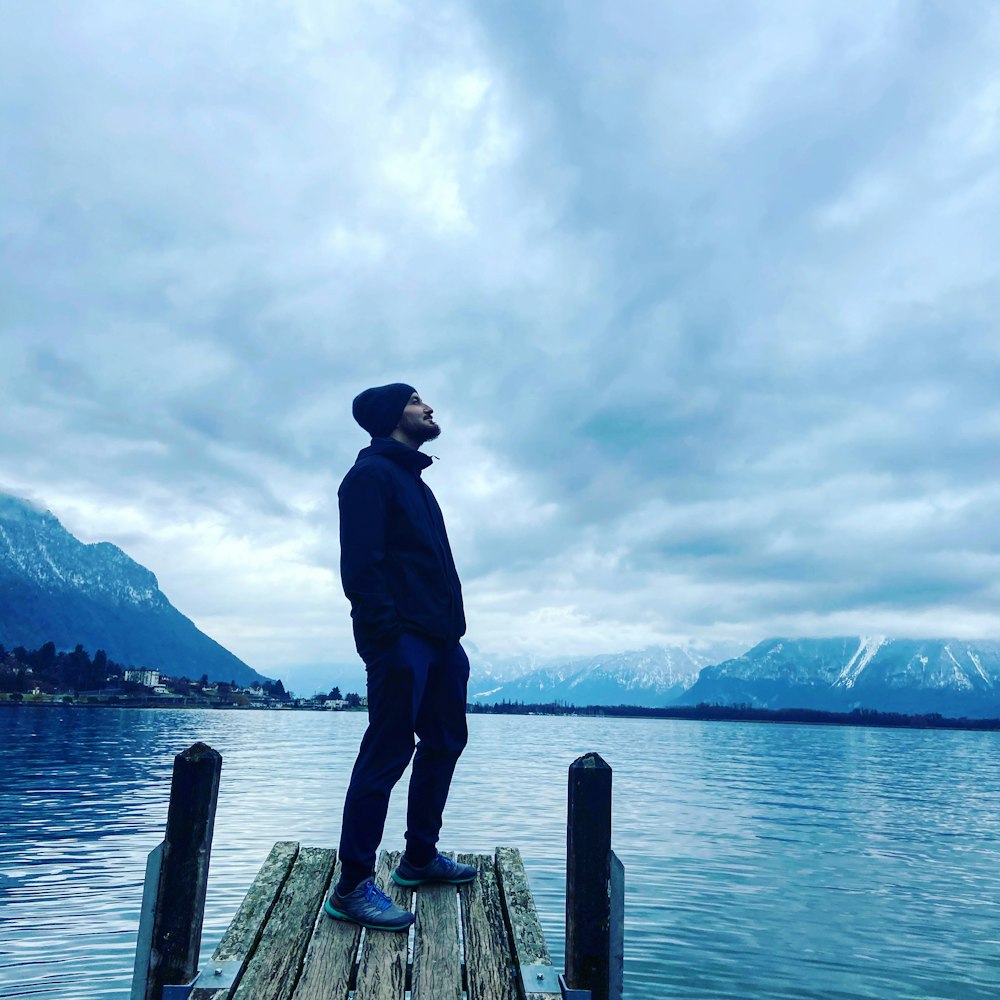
(147, 678)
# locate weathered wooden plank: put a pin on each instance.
(382, 966)
(521, 916)
(329, 961)
(522, 919)
(488, 964)
(274, 968)
(437, 954)
(147, 915)
(616, 945)
(244, 930)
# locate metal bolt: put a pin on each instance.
(539, 976)
(218, 972)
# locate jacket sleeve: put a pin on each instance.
(363, 514)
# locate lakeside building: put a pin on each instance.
(147, 678)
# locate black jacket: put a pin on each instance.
(395, 560)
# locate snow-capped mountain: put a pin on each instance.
(55, 587)
(488, 671)
(948, 676)
(653, 676)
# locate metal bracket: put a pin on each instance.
(539, 979)
(571, 994)
(215, 976)
(218, 975)
(147, 915)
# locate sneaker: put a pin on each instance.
(370, 907)
(441, 869)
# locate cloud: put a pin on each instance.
(704, 297)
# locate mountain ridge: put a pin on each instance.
(945, 675)
(879, 672)
(53, 587)
(648, 677)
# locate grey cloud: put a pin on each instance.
(722, 260)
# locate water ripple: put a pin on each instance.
(761, 861)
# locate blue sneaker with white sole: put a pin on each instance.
(441, 869)
(370, 907)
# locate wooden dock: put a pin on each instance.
(483, 940)
(479, 941)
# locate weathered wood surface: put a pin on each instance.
(244, 931)
(187, 847)
(329, 961)
(522, 919)
(437, 951)
(616, 956)
(488, 970)
(274, 968)
(382, 966)
(588, 876)
(296, 952)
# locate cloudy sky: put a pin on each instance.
(705, 296)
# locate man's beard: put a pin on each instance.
(420, 430)
(426, 431)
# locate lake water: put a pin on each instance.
(760, 860)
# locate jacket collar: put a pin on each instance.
(409, 458)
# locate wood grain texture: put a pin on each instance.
(588, 901)
(187, 849)
(293, 951)
(329, 961)
(382, 965)
(275, 966)
(616, 957)
(437, 952)
(521, 916)
(488, 963)
(245, 929)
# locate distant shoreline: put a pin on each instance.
(194, 705)
(859, 718)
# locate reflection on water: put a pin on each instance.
(761, 860)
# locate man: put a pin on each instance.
(406, 603)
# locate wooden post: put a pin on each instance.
(187, 847)
(594, 881)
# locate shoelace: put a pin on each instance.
(375, 895)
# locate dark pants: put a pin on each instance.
(415, 686)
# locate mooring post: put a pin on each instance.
(179, 905)
(594, 884)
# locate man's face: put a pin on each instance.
(417, 421)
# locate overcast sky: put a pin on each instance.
(704, 294)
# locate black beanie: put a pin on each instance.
(378, 410)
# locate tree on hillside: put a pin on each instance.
(50, 669)
(276, 690)
(44, 658)
(76, 669)
(12, 678)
